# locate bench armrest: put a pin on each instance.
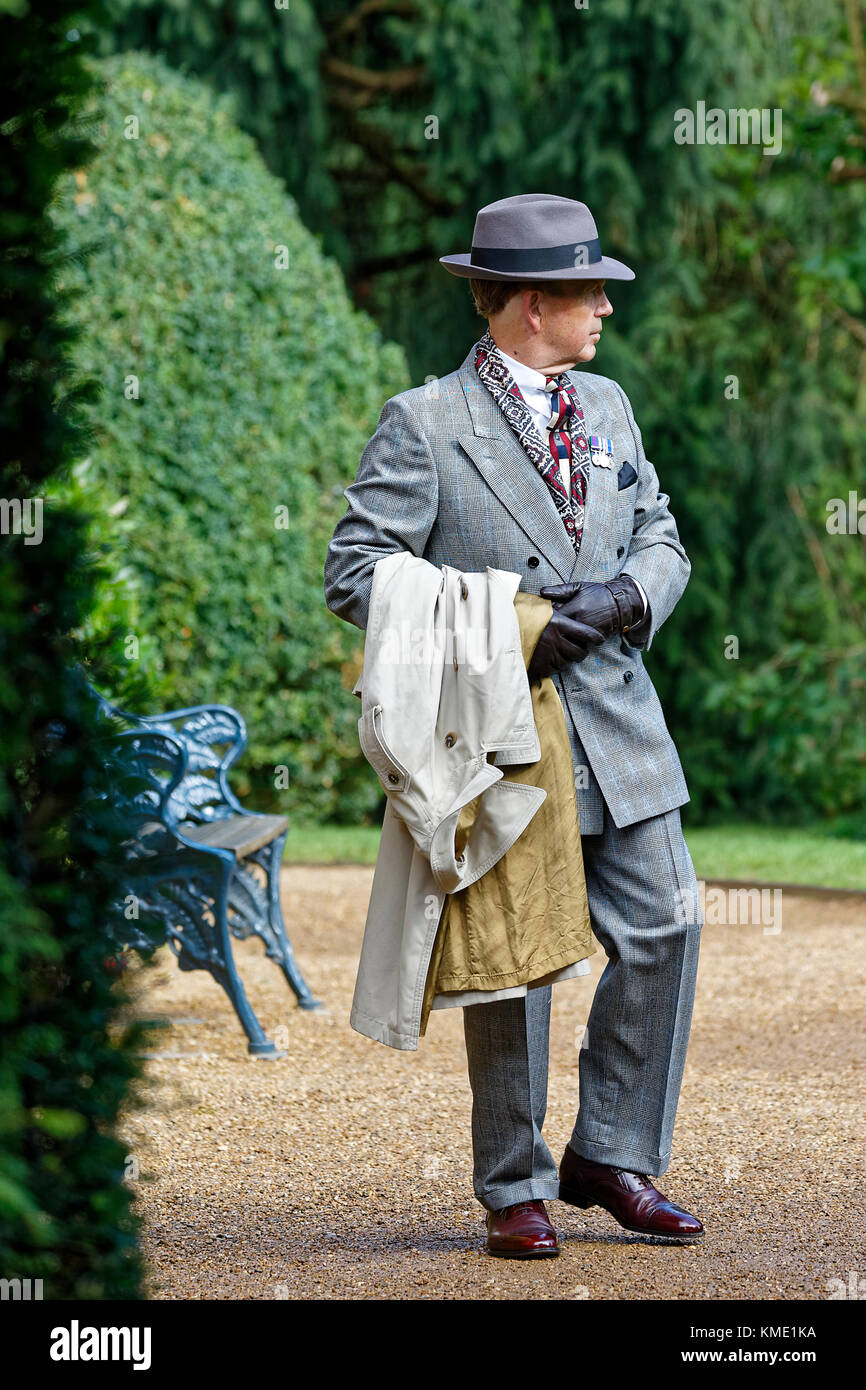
(144, 768)
(200, 728)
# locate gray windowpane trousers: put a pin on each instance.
(643, 901)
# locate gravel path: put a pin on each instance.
(344, 1169)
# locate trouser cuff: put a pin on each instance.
(528, 1190)
(615, 1156)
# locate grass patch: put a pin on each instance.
(330, 844)
(770, 855)
(748, 852)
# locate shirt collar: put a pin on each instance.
(523, 375)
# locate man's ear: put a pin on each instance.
(532, 307)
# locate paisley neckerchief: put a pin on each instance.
(495, 375)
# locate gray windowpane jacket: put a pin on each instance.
(444, 477)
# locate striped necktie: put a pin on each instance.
(562, 406)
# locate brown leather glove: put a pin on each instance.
(616, 606)
(563, 641)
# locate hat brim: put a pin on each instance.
(605, 269)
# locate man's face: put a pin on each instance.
(571, 327)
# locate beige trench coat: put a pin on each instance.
(443, 684)
(443, 688)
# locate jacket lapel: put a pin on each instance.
(497, 454)
(601, 496)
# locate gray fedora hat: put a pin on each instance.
(536, 236)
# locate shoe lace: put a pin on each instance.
(522, 1206)
(644, 1179)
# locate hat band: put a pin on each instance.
(568, 257)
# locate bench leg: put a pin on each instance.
(269, 925)
(202, 946)
(225, 970)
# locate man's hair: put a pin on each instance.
(491, 296)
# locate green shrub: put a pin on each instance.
(65, 1067)
(236, 399)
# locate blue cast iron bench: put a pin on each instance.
(196, 867)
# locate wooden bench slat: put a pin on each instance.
(241, 834)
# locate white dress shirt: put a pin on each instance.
(533, 389)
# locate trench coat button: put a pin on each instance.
(392, 777)
(533, 562)
(620, 550)
(464, 592)
(628, 676)
(450, 740)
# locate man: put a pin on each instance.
(518, 462)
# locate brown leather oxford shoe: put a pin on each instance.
(521, 1231)
(629, 1197)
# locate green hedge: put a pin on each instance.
(66, 1066)
(231, 388)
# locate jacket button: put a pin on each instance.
(533, 562)
(629, 676)
(620, 550)
(393, 777)
(450, 740)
